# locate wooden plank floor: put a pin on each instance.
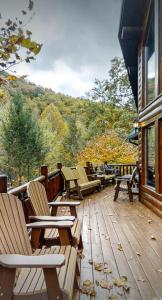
(127, 238)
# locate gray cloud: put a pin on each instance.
(78, 32)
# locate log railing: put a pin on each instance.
(120, 169)
(53, 183)
(123, 169)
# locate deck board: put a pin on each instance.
(106, 224)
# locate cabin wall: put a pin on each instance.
(151, 114)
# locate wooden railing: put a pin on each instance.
(53, 182)
(123, 169)
(120, 169)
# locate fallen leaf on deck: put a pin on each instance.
(88, 291)
(80, 254)
(104, 284)
(90, 261)
(149, 221)
(120, 247)
(153, 237)
(121, 281)
(140, 279)
(99, 267)
(139, 254)
(107, 271)
(113, 297)
(87, 283)
(97, 283)
(126, 287)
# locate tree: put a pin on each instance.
(71, 142)
(55, 129)
(14, 37)
(109, 147)
(115, 90)
(22, 141)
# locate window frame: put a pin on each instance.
(155, 5)
(146, 156)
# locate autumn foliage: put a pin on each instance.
(108, 147)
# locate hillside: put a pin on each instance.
(68, 124)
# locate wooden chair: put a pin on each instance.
(128, 185)
(46, 274)
(76, 180)
(38, 198)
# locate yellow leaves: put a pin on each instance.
(32, 46)
(88, 288)
(99, 267)
(120, 247)
(87, 283)
(11, 78)
(104, 284)
(121, 281)
(109, 148)
(13, 39)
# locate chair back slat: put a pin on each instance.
(82, 174)
(38, 198)
(13, 232)
(133, 176)
(68, 173)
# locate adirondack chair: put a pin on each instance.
(76, 180)
(126, 183)
(46, 274)
(38, 198)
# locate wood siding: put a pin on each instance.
(152, 112)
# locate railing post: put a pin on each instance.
(59, 166)
(44, 172)
(88, 168)
(3, 184)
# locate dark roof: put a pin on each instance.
(130, 30)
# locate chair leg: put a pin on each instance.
(117, 191)
(130, 192)
(80, 246)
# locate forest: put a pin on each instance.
(39, 126)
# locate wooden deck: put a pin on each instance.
(127, 238)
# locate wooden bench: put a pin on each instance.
(38, 198)
(76, 181)
(46, 274)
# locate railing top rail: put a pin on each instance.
(52, 174)
(22, 188)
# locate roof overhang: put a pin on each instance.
(130, 31)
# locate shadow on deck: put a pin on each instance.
(127, 240)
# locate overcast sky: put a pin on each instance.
(79, 39)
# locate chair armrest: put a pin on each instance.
(26, 261)
(62, 203)
(52, 218)
(72, 179)
(44, 225)
(122, 179)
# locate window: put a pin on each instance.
(150, 155)
(150, 59)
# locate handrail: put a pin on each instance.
(22, 188)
